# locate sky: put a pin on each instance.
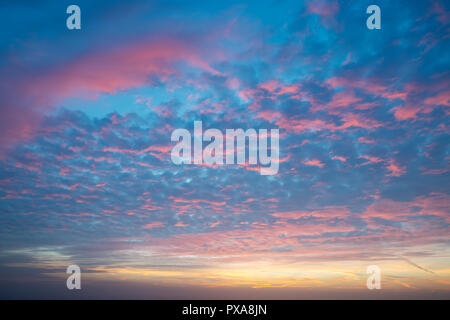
(86, 175)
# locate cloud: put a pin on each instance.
(364, 142)
(105, 71)
(417, 266)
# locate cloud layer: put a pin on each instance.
(85, 128)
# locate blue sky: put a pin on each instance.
(86, 119)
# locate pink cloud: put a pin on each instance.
(343, 99)
(438, 9)
(314, 162)
(325, 212)
(103, 71)
(349, 120)
(406, 112)
(415, 104)
(442, 98)
(180, 224)
(269, 115)
(365, 140)
(395, 169)
(371, 86)
(152, 225)
(325, 8)
(371, 159)
(158, 151)
(270, 86)
(342, 159)
(299, 126)
(358, 120)
(435, 204)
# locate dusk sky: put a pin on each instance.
(86, 175)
